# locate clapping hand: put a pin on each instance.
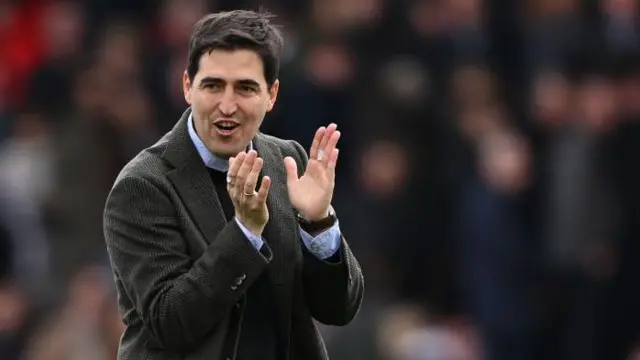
(311, 194)
(250, 205)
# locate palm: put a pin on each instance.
(311, 194)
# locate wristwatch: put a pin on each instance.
(318, 225)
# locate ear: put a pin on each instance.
(186, 87)
(273, 94)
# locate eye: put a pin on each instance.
(212, 86)
(246, 89)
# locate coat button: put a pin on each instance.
(234, 288)
(239, 281)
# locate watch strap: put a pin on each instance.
(318, 225)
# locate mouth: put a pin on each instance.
(226, 127)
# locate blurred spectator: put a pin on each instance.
(581, 225)
(62, 31)
(622, 314)
(473, 84)
(339, 17)
(496, 245)
(466, 22)
(551, 99)
(170, 36)
(119, 50)
(20, 47)
(24, 186)
(407, 333)
(15, 311)
(554, 30)
(6, 251)
(384, 169)
(622, 24)
(84, 328)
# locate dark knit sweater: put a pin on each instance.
(258, 333)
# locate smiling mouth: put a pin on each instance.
(226, 125)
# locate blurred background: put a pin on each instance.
(487, 179)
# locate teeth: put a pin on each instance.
(226, 125)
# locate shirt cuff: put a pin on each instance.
(324, 245)
(256, 241)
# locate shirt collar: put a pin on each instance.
(210, 160)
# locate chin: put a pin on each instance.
(227, 151)
(227, 146)
(224, 152)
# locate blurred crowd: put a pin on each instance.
(487, 179)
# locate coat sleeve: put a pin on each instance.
(179, 300)
(333, 288)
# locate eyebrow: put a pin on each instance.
(216, 80)
(249, 82)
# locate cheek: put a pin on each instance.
(203, 103)
(254, 110)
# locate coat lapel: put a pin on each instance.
(281, 231)
(192, 181)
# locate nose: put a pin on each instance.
(228, 104)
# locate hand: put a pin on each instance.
(311, 194)
(242, 177)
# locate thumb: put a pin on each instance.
(292, 169)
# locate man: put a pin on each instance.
(222, 239)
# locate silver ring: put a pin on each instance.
(245, 194)
(320, 155)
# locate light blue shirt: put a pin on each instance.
(322, 246)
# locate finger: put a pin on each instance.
(243, 171)
(325, 139)
(234, 166)
(263, 192)
(252, 178)
(331, 146)
(292, 170)
(230, 166)
(333, 160)
(313, 152)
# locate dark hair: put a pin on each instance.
(235, 30)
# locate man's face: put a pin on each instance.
(229, 98)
